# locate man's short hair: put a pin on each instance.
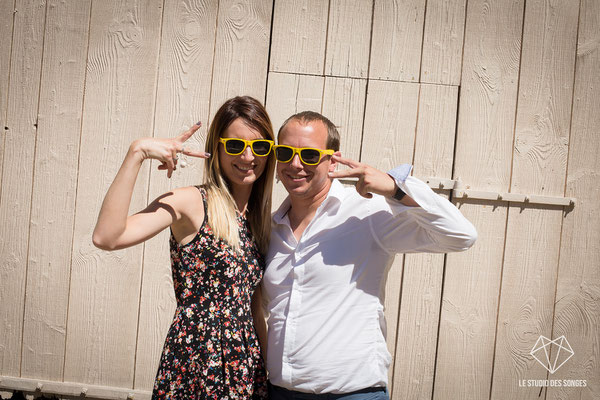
(304, 117)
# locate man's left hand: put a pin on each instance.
(370, 180)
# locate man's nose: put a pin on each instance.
(296, 163)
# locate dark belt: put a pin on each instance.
(302, 395)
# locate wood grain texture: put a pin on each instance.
(119, 97)
(390, 118)
(344, 105)
(242, 50)
(545, 95)
(54, 188)
(527, 298)
(483, 152)
(183, 93)
(397, 40)
(443, 42)
(6, 32)
(423, 273)
(288, 94)
(469, 307)
(488, 95)
(19, 151)
(577, 310)
(299, 36)
(539, 166)
(348, 38)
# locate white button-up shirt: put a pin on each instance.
(325, 292)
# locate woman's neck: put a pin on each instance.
(241, 196)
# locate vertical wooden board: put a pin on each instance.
(242, 51)
(434, 144)
(299, 36)
(488, 94)
(545, 96)
(187, 46)
(15, 200)
(6, 31)
(390, 123)
(54, 187)
(527, 298)
(423, 273)
(390, 119)
(119, 97)
(443, 42)
(469, 307)
(397, 39)
(416, 339)
(348, 38)
(288, 94)
(483, 152)
(539, 164)
(577, 311)
(344, 105)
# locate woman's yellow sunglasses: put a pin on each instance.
(308, 155)
(235, 146)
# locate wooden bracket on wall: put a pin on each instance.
(70, 389)
(459, 191)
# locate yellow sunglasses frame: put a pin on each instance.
(246, 143)
(297, 150)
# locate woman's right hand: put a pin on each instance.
(165, 149)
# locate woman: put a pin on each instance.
(219, 235)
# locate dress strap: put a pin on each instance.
(204, 197)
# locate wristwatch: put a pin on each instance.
(399, 194)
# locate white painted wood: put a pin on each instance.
(539, 166)
(183, 93)
(348, 38)
(242, 50)
(577, 310)
(344, 105)
(51, 387)
(483, 153)
(397, 40)
(423, 273)
(119, 102)
(54, 188)
(389, 132)
(288, 94)
(443, 42)
(6, 31)
(299, 36)
(15, 199)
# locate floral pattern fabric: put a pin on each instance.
(211, 350)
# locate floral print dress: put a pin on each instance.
(211, 350)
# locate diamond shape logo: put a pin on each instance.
(559, 349)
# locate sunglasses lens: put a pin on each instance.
(310, 156)
(234, 146)
(284, 154)
(261, 147)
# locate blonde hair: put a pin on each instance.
(221, 207)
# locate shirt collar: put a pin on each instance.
(332, 202)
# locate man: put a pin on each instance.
(329, 255)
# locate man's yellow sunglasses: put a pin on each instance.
(308, 155)
(235, 146)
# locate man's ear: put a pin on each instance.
(333, 164)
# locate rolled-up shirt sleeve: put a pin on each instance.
(436, 226)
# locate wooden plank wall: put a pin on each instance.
(502, 95)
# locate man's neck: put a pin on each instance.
(303, 209)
